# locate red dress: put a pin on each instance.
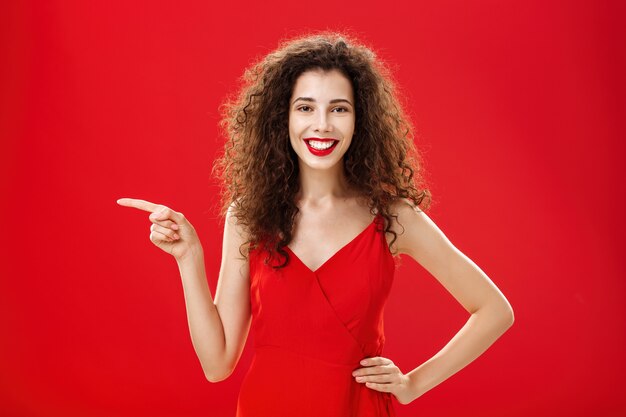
(312, 328)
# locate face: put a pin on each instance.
(321, 118)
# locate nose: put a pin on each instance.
(323, 123)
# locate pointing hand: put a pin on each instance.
(170, 230)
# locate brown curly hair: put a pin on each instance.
(258, 169)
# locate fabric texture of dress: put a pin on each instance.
(312, 328)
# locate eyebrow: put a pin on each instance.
(311, 99)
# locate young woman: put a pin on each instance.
(323, 190)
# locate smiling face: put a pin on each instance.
(321, 107)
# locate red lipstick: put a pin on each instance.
(321, 152)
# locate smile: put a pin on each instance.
(319, 146)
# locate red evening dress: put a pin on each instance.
(312, 328)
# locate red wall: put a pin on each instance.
(520, 111)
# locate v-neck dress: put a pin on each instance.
(312, 328)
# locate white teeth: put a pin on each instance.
(320, 145)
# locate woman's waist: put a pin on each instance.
(275, 371)
(339, 349)
(309, 379)
(303, 357)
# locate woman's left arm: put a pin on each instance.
(490, 312)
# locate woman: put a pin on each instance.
(322, 193)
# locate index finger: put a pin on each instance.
(374, 360)
(139, 204)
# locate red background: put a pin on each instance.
(519, 109)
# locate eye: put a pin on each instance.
(303, 107)
(341, 108)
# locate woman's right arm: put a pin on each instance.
(219, 328)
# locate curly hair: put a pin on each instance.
(258, 169)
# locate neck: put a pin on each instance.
(322, 188)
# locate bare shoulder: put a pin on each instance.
(233, 263)
(233, 229)
(417, 234)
